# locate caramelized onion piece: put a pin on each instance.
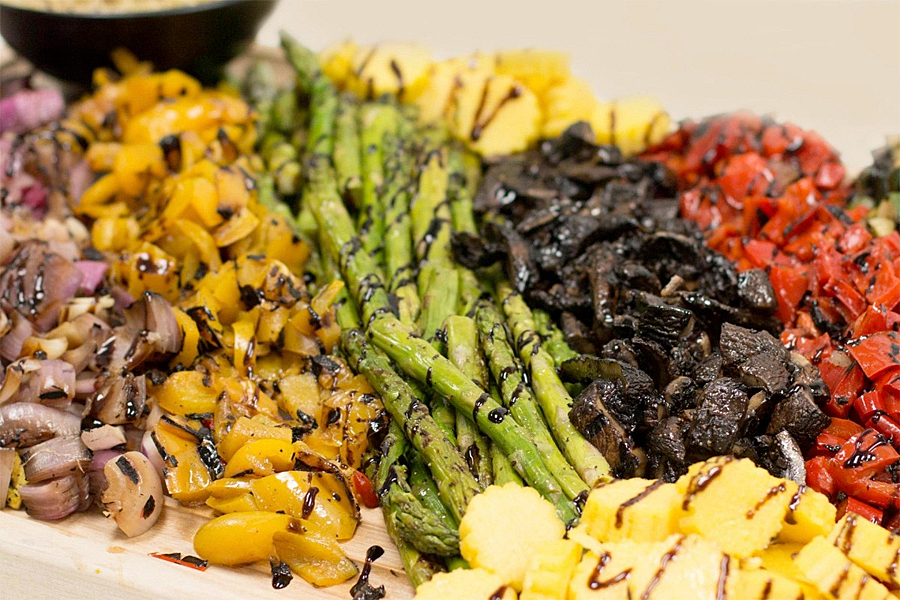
(56, 457)
(24, 424)
(57, 498)
(134, 493)
(121, 400)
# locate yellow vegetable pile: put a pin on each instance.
(725, 530)
(176, 213)
(496, 103)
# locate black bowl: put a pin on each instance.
(199, 39)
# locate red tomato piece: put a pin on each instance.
(362, 487)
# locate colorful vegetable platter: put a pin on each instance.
(466, 292)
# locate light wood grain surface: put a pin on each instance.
(86, 557)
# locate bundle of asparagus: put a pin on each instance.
(469, 405)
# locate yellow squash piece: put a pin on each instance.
(395, 68)
(565, 103)
(337, 61)
(632, 124)
(498, 116)
(636, 509)
(810, 514)
(551, 568)
(836, 576)
(538, 69)
(735, 503)
(465, 584)
(874, 549)
(493, 535)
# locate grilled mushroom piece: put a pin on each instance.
(134, 494)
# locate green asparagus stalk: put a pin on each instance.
(459, 192)
(323, 98)
(425, 489)
(554, 341)
(464, 352)
(399, 163)
(431, 219)
(419, 526)
(418, 568)
(503, 470)
(456, 485)
(551, 394)
(419, 359)
(347, 151)
(518, 398)
(438, 302)
(377, 121)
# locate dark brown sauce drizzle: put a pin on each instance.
(778, 489)
(498, 593)
(723, 578)
(663, 563)
(701, 481)
(309, 502)
(479, 124)
(362, 584)
(792, 506)
(620, 512)
(839, 582)
(863, 455)
(594, 582)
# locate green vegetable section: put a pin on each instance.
(383, 195)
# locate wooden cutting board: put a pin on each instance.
(86, 557)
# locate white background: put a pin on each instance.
(832, 66)
(828, 65)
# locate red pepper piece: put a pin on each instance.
(877, 493)
(789, 284)
(827, 444)
(818, 477)
(845, 392)
(868, 404)
(847, 293)
(191, 562)
(362, 487)
(886, 426)
(864, 455)
(843, 429)
(871, 321)
(876, 353)
(854, 506)
(830, 176)
(855, 239)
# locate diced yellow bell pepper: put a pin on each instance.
(203, 241)
(114, 234)
(299, 393)
(245, 430)
(316, 558)
(184, 393)
(136, 165)
(101, 156)
(187, 480)
(190, 336)
(242, 537)
(244, 345)
(261, 458)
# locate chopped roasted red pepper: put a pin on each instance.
(843, 429)
(854, 506)
(868, 404)
(818, 477)
(876, 353)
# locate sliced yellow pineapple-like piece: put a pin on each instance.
(809, 515)
(550, 570)
(760, 583)
(605, 574)
(565, 103)
(735, 503)
(779, 558)
(504, 527)
(873, 548)
(444, 79)
(390, 68)
(465, 584)
(642, 510)
(337, 61)
(500, 116)
(835, 575)
(538, 69)
(679, 567)
(632, 124)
